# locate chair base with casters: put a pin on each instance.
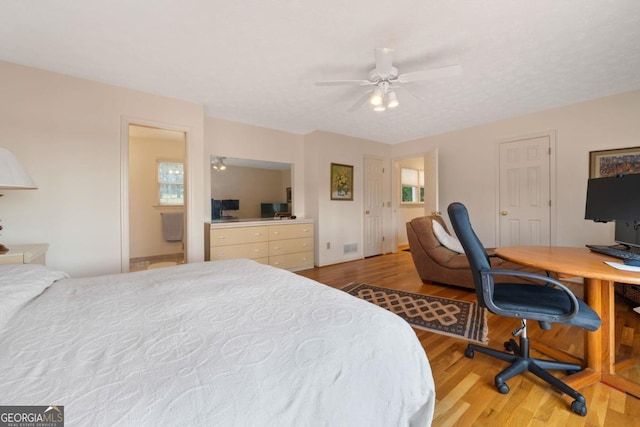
(520, 361)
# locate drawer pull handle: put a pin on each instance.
(277, 248)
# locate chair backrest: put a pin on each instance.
(473, 248)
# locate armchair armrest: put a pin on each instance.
(488, 294)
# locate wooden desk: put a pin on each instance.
(599, 294)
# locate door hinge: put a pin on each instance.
(549, 150)
(549, 202)
(383, 238)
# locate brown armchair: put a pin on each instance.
(439, 265)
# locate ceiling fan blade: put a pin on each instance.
(413, 95)
(360, 102)
(384, 59)
(434, 73)
(344, 83)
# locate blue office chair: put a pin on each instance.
(547, 302)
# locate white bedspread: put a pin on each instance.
(224, 343)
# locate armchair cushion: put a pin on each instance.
(446, 239)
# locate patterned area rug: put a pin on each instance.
(445, 316)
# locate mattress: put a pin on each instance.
(224, 343)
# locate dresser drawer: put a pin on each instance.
(235, 236)
(281, 247)
(293, 231)
(292, 261)
(247, 250)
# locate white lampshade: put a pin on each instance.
(392, 100)
(12, 175)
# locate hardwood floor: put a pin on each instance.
(465, 392)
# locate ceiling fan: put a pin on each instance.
(385, 80)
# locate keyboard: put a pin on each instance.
(618, 251)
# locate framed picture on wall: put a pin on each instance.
(341, 182)
(613, 162)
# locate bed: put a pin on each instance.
(224, 343)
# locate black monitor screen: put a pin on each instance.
(231, 205)
(627, 233)
(613, 198)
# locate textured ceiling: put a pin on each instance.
(256, 61)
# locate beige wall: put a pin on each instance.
(67, 133)
(468, 162)
(147, 147)
(232, 139)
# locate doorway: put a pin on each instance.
(156, 197)
(415, 191)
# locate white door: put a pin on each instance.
(431, 183)
(373, 206)
(525, 201)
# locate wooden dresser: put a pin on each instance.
(286, 244)
(25, 254)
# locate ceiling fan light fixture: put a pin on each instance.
(377, 97)
(218, 164)
(392, 100)
(379, 108)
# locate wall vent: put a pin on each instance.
(350, 248)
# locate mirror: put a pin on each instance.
(243, 189)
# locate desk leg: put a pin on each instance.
(597, 340)
(608, 328)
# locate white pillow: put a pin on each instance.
(445, 239)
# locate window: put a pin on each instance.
(412, 182)
(170, 183)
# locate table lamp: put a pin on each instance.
(12, 177)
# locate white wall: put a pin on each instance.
(340, 222)
(468, 161)
(67, 133)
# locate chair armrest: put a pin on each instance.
(487, 289)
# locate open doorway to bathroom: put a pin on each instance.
(157, 209)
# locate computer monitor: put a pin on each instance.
(628, 233)
(219, 206)
(268, 210)
(613, 198)
(231, 205)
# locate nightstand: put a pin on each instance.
(25, 254)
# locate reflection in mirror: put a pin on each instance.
(249, 189)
